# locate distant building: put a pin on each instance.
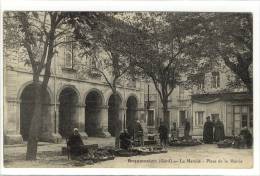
(235, 110)
(210, 96)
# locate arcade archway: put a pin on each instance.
(114, 104)
(67, 111)
(27, 108)
(131, 113)
(92, 112)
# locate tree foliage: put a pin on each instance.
(39, 34)
(231, 41)
(164, 47)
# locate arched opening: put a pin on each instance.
(27, 108)
(114, 104)
(92, 112)
(131, 113)
(68, 99)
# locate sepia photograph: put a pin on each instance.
(147, 89)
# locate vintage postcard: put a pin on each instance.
(129, 89)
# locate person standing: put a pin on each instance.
(246, 137)
(186, 128)
(138, 132)
(219, 133)
(208, 131)
(125, 140)
(163, 134)
(75, 144)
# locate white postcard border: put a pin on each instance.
(98, 5)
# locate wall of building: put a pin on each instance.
(18, 75)
(217, 107)
(16, 81)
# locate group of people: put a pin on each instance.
(213, 131)
(127, 140)
(135, 137)
(244, 140)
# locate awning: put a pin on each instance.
(211, 98)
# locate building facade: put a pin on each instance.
(211, 97)
(74, 98)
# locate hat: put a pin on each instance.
(75, 129)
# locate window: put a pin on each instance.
(251, 121)
(243, 117)
(182, 118)
(181, 92)
(93, 63)
(199, 78)
(201, 81)
(215, 80)
(69, 53)
(244, 121)
(199, 118)
(150, 119)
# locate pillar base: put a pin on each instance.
(83, 135)
(51, 137)
(103, 133)
(10, 139)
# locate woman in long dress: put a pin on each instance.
(208, 131)
(219, 133)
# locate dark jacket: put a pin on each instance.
(75, 143)
(125, 140)
(163, 131)
(208, 132)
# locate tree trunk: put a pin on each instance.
(118, 121)
(166, 114)
(35, 123)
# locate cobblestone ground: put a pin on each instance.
(202, 156)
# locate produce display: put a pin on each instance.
(225, 143)
(238, 142)
(144, 150)
(185, 142)
(97, 156)
(149, 150)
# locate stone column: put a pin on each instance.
(12, 122)
(80, 120)
(11, 107)
(51, 126)
(56, 118)
(122, 115)
(103, 122)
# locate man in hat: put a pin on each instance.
(208, 131)
(75, 143)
